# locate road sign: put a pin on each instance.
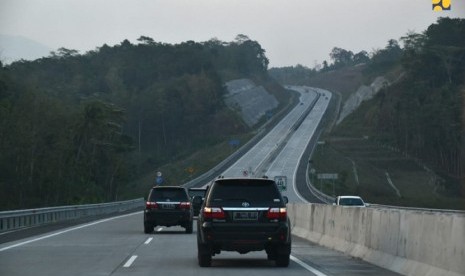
(281, 181)
(234, 142)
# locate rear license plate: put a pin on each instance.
(245, 215)
(168, 206)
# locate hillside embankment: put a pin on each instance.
(365, 166)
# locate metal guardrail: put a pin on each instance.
(17, 219)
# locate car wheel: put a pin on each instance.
(204, 255)
(148, 228)
(189, 227)
(282, 260)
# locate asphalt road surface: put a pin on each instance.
(118, 246)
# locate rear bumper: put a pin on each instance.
(167, 218)
(244, 238)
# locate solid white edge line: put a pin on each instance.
(307, 267)
(148, 240)
(65, 231)
(130, 261)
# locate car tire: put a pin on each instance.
(204, 255)
(282, 260)
(148, 228)
(189, 227)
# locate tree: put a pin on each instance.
(146, 40)
(361, 57)
(67, 122)
(64, 53)
(424, 110)
(341, 57)
(241, 38)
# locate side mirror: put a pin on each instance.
(367, 204)
(197, 200)
(286, 200)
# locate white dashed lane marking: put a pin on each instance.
(130, 261)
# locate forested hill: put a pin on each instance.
(422, 112)
(78, 127)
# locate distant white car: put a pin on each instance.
(355, 201)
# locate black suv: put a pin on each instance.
(168, 206)
(243, 215)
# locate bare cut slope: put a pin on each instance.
(344, 81)
(250, 100)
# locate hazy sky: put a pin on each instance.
(291, 31)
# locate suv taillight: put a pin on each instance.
(185, 205)
(151, 205)
(277, 213)
(213, 213)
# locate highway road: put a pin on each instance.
(286, 163)
(250, 164)
(118, 246)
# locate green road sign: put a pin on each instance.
(281, 181)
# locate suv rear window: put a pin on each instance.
(168, 194)
(258, 193)
(351, 201)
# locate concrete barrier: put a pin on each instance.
(410, 242)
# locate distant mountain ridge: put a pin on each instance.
(13, 48)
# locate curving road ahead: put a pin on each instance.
(252, 162)
(117, 245)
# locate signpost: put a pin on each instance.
(329, 176)
(281, 181)
(234, 142)
(159, 179)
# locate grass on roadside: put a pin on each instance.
(361, 165)
(182, 171)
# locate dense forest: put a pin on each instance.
(423, 112)
(75, 128)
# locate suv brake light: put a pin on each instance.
(185, 205)
(151, 205)
(213, 213)
(277, 213)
